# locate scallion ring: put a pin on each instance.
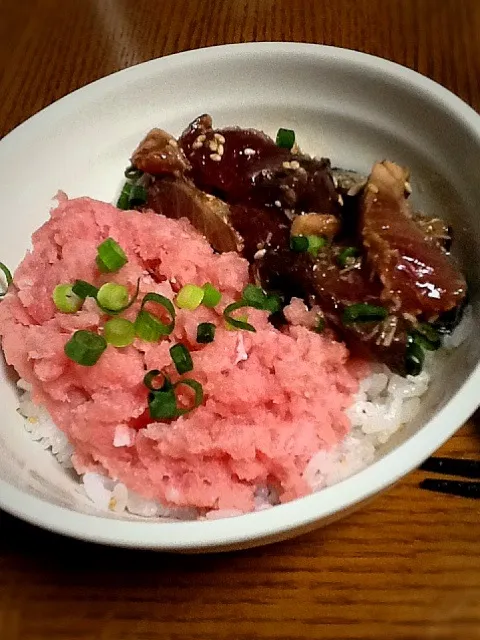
(363, 312)
(124, 197)
(345, 256)
(427, 337)
(110, 256)
(162, 405)
(84, 289)
(85, 348)
(181, 358)
(8, 277)
(189, 297)
(119, 332)
(197, 388)
(152, 375)
(113, 299)
(205, 332)
(132, 173)
(138, 195)
(150, 328)
(315, 243)
(255, 297)
(414, 358)
(235, 322)
(320, 325)
(65, 299)
(211, 296)
(299, 244)
(285, 138)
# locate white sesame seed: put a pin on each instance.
(173, 143)
(294, 164)
(220, 138)
(220, 150)
(215, 157)
(340, 200)
(286, 165)
(260, 253)
(278, 203)
(201, 137)
(408, 187)
(249, 152)
(197, 144)
(335, 181)
(213, 145)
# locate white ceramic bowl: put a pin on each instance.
(349, 106)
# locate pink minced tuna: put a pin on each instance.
(272, 398)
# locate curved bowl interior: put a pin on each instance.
(350, 107)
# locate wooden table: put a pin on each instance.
(406, 567)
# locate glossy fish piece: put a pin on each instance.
(417, 277)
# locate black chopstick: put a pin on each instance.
(453, 467)
(453, 487)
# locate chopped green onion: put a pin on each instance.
(315, 243)
(237, 323)
(124, 198)
(112, 296)
(150, 328)
(111, 257)
(363, 312)
(85, 347)
(181, 358)
(255, 297)
(211, 296)
(243, 317)
(163, 404)
(414, 357)
(285, 138)
(189, 297)
(138, 195)
(343, 256)
(150, 377)
(427, 337)
(162, 401)
(8, 277)
(84, 289)
(205, 332)
(132, 173)
(65, 300)
(119, 332)
(320, 325)
(198, 389)
(299, 243)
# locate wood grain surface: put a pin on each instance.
(407, 566)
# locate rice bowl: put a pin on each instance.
(379, 386)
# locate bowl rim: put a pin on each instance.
(301, 513)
